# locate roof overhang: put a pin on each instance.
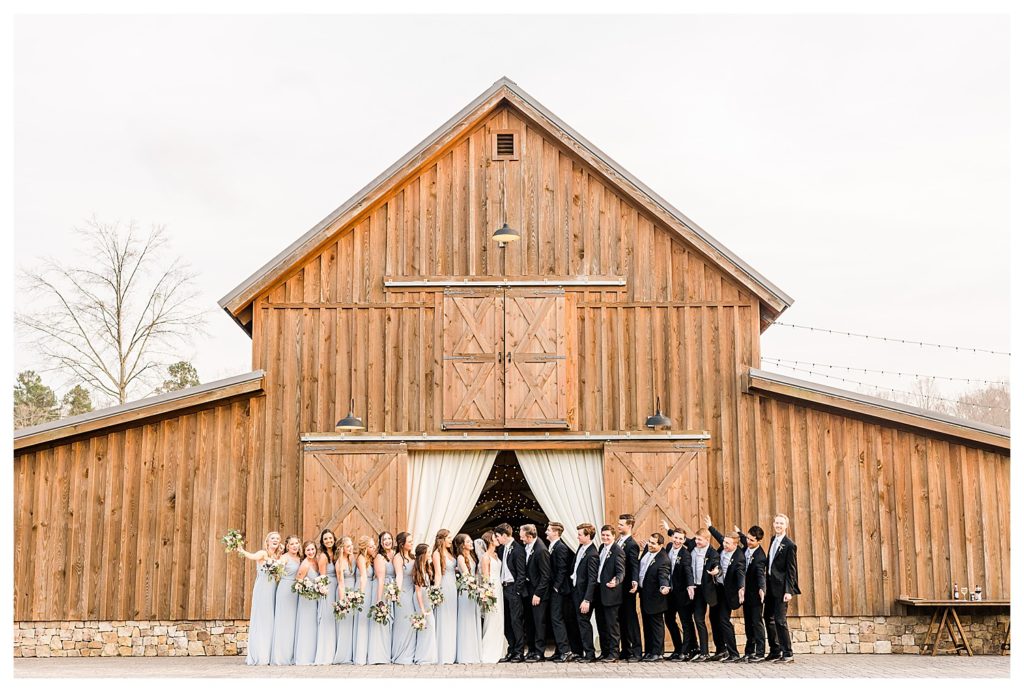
(136, 411)
(873, 407)
(238, 301)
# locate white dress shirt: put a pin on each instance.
(506, 573)
(776, 542)
(697, 563)
(605, 549)
(580, 552)
(645, 562)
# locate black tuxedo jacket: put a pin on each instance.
(651, 599)
(782, 575)
(756, 566)
(516, 564)
(632, 550)
(681, 577)
(538, 570)
(614, 568)
(705, 591)
(562, 560)
(586, 574)
(736, 575)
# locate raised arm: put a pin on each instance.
(743, 537)
(717, 536)
(258, 555)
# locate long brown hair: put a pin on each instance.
(363, 547)
(400, 541)
(287, 540)
(463, 546)
(421, 575)
(439, 546)
(332, 552)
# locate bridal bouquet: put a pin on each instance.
(275, 570)
(380, 613)
(307, 588)
(466, 582)
(392, 592)
(418, 621)
(232, 541)
(487, 597)
(435, 595)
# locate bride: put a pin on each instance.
(492, 645)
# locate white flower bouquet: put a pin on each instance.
(418, 621)
(232, 541)
(306, 588)
(486, 596)
(435, 595)
(380, 613)
(466, 583)
(392, 592)
(275, 570)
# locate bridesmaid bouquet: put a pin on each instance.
(306, 588)
(322, 584)
(486, 597)
(418, 621)
(356, 597)
(276, 568)
(348, 600)
(466, 582)
(392, 592)
(380, 613)
(232, 541)
(435, 595)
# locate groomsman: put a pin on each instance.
(654, 590)
(680, 607)
(730, 582)
(584, 582)
(702, 590)
(513, 587)
(782, 586)
(628, 624)
(567, 640)
(535, 598)
(611, 570)
(753, 602)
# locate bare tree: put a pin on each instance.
(989, 404)
(114, 321)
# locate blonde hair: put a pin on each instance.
(363, 547)
(704, 533)
(780, 514)
(280, 544)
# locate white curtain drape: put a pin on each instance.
(443, 489)
(568, 484)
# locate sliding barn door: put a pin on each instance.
(535, 367)
(656, 481)
(473, 372)
(354, 490)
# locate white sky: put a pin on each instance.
(861, 163)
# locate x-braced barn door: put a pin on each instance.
(354, 490)
(504, 358)
(656, 481)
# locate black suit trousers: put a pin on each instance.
(776, 624)
(679, 622)
(629, 625)
(608, 629)
(654, 634)
(561, 613)
(536, 625)
(513, 620)
(721, 625)
(753, 624)
(672, 625)
(700, 610)
(584, 627)
(685, 611)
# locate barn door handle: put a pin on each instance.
(508, 357)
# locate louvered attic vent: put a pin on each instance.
(505, 146)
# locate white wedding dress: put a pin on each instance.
(492, 645)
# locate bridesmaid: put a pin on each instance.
(379, 648)
(286, 604)
(327, 628)
(306, 616)
(364, 579)
(446, 614)
(426, 643)
(403, 636)
(346, 626)
(468, 635)
(264, 592)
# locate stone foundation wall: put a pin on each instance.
(903, 634)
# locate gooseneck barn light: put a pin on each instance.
(351, 421)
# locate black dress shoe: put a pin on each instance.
(651, 658)
(754, 658)
(700, 658)
(733, 659)
(677, 656)
(565, 658)
(771, 657)
(720, 656)
(505, 659)
(534, 658)
(785, 659)
(587, 659)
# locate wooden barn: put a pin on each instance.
(507, 377)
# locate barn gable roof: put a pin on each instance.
(874, 407)
(134, 411)
(238, 301)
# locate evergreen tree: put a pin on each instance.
(34, 402)
(180, 375)
(76, 401)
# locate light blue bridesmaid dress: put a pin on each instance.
(446, 615)
(403, 636)
(306, 627)
(346, 626)
(261, 617)
(378, 649)
(468, 630)
(327, 629)
(361, 626)
(426, 641)
(286, 604)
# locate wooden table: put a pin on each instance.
(950, 619)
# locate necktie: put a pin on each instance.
(580, 552)
(644, 564)
(776, 542)
(604, 556)
(551, 548)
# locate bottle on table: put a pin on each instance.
(977, 592)
(956, 591)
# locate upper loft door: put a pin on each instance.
(535, 364)
(473, 371)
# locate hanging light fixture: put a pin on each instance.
(350, 422)
(658, 420)
(505, 234)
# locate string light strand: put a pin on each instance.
(848, 368)
(893, 339)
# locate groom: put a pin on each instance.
(513, 587)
